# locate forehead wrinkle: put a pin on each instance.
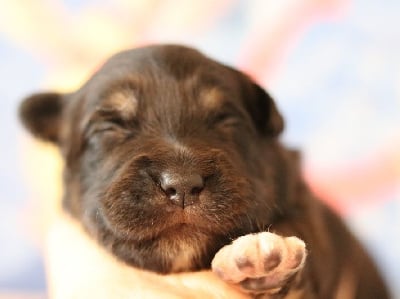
(168, 104)
(176, 103)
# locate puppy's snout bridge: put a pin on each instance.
(182, 189)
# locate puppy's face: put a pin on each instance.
(169, 155)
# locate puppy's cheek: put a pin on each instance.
(117, 214)
(131, 206)
(121, 213)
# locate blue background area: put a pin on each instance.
(20, 262)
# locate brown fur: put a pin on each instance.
(170, 109)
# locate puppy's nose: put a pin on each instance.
(182, 190)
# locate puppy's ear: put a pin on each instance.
(41, 115)
(264, 112)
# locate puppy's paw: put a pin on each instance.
(261, 263)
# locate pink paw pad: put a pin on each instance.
(262, 262)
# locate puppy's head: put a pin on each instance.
(169, 155)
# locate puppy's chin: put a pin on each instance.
(173, 248)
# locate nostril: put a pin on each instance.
(196, 190)
(170, 192)
(196, 183)
(169, 184)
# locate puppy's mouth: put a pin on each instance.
(153, 221)
(177, 222)
(182, 219)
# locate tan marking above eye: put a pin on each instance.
(122, 101)
(212, 98)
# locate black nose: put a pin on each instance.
(182, 190)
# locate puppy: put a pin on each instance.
(173, 163)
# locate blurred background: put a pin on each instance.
(332, 65)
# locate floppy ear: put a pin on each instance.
(41, 115)
(263, 110)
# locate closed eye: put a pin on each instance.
(110, 126)
(107, 120)
(226, 118)
(102, 127)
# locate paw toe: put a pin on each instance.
(296, 252)
(244, 263)
(272, 260)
